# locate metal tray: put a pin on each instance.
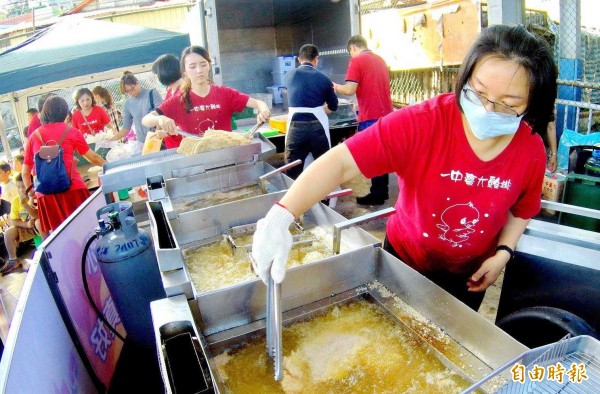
(192, 190)
(134, 171)
(205, 226)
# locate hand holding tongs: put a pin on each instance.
(254, 129)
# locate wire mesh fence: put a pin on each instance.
(147, 80)
(577, 52)
(15, 136)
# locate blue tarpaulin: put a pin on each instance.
(78, 46)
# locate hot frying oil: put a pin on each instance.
(354, 348)
(218, 265)
(203, 200)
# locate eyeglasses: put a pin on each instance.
(128, 89)
(481, 100)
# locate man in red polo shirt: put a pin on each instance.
(368, 77)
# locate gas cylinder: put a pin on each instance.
(128, 263)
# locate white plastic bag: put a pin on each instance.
(124, 151)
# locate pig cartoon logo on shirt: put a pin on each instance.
(458, 222)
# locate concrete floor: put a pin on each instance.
(10, 288)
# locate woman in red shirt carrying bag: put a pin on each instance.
(53, 209)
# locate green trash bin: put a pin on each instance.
(582, 191)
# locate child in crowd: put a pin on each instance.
(17, 164)
(24, 225)
(9, 189)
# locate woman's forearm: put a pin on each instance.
(151, 119)
(512, 231)
(263, 109)
(121, 134)
(319, 179)
(94, 158)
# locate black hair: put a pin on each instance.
(186, 86)
(308, 52)
(4, 166)
(167, 69)
(128, 78)
(32, 111)
(55, 110)
(530, 52)
(43, 99)
(358, 41)
(82, 92)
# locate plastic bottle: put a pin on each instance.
(592, 165)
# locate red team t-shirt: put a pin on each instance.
(371, 74)
(451, 205)
(96, 120)
(213, 111)
(34, 124)
(172, 141)
(73, 141)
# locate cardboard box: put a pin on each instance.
(552, 189)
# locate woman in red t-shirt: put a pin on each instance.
(470, 167)
(201, 105)
(88, 118)
(53, 209)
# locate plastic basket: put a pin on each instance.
(279, 122)
(581, 350)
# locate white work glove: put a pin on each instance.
(272, 243)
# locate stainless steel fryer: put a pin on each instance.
(134, 171)
(208, 225)
(197, 189)
(471, 346)
(299, 236)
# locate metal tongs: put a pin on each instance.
(254, 129)
(273, 324)
(274, 316)
(250, 134)
(186, 134)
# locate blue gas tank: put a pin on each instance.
(128, 264)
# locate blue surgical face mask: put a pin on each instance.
(486, 124)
